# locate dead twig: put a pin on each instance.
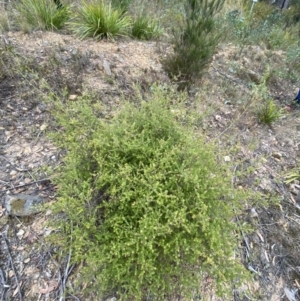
(238, 220)
(11, 261)
(64, 278)
(27, 184)
(13, 164)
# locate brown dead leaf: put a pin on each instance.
(50, 288)
(8, 135)
(31, 238)
(17, 289)
(27, 180)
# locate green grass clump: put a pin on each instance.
(195, 42)
(41, 14)
(292, 176)
(4, 21)
(146, 205)
(145, 29)
(122, 5)
(100, 20)
(268, 112)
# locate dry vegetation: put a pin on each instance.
(243, 104)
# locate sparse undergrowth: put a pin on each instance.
(149, 208)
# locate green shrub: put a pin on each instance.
(292, 61)
(195, 42)
(145, 29)
(145, 203)
(292, 15)
(42, 14)
(99, 20)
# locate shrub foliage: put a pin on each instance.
(195, 42)
(146, 205)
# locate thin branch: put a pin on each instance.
(27, 184)
(11, 262)
(15, 165)
(65, 277)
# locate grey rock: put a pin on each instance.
(106, 67)
(23, 205)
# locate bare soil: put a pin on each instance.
(30, 270)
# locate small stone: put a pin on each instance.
(277, 155)
(23, 205)
(218, 118)
(227, 158)
(20, 233)
(73, 97)
(253, 213)
(43, 126)
(13, 173)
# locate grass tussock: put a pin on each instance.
(98, 19)
(268, 112)
(41, 14)
(145, 29)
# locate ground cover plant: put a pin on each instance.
(149, 207)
